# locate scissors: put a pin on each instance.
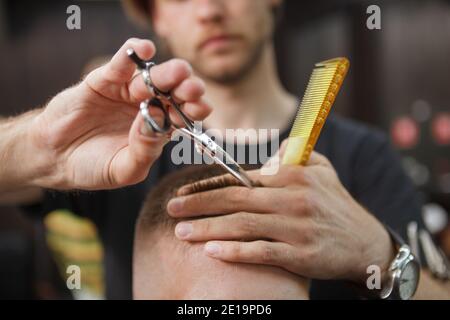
(203, 143)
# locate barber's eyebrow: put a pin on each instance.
(212, 183)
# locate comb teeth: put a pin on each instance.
(323, 87)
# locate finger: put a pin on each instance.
(189, 90)
(318, 159)
(217, 182)
(197, 110)
(286, 175)
(272, 166)
(146, 145)
(121, 68)
(222, 181)
(165, 76)
(255, 252)
(230, 200)
(282, 149)
(132, 164)
(239, 226)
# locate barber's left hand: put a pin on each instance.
(302, 220)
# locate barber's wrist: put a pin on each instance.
(378, 251)
(31, 162)
(42, 158)
(17, 161)
(390, 251)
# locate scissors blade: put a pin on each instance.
(203, 142)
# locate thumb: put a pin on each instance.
(111, 78)
(318, 159)
(271, 167)
(132, 164)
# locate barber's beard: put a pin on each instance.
(236, 74)
(227, 77)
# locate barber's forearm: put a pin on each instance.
(23, 196)
(21, 163)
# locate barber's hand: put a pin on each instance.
(302, 220)
(91, 136)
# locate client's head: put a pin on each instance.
(167, 268)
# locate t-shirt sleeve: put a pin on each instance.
(382, 186)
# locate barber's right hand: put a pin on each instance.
(92, 136)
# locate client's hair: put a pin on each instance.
(154, 214)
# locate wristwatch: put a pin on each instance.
(403, 273)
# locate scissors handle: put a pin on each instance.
(203, 143)
(159, 95)
(141, 64)
(155, 102)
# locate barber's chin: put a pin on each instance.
(223, 64)
(225, 76)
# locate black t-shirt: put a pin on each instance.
(363, 158)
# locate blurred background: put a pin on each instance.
(399, 82)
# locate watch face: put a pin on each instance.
(408, 281)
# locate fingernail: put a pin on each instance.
(183, 230)
(175, 205)
(213, 249)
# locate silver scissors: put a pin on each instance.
(203, 143)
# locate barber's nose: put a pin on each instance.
(210, 10)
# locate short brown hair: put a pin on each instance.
(154, 213)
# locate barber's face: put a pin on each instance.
(222, 39)
(165, 268)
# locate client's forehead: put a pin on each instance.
(175, 270)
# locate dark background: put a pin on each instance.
(399, 72)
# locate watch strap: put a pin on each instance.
(396, 238)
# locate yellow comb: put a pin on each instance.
(323, 87)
